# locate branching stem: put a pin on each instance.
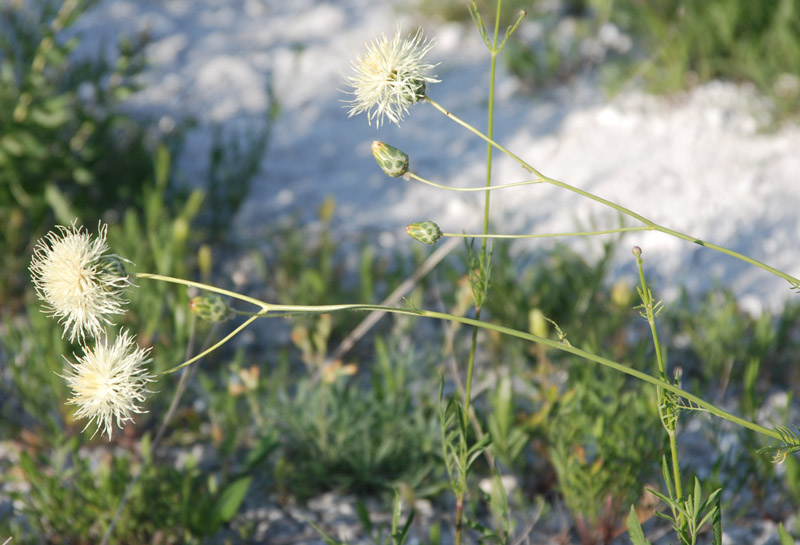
(269, 307)
(795, 282)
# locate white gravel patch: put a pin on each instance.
(694, 162)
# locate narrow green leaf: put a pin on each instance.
(396, 511)
(266, 445)
(481, 445)
(661, 515)
(478, 527)
(59, 203)
(473, 457)
(324, 535)
(662, 497)
(784, 536)
(162, 166)
(400, 538)
(511, 28)
(231, 499)
(635, 529)
(498, 480)
(26, 462)
(717, 520)
(698, 497)
(478, 20)
(363, 516)
(667, 477)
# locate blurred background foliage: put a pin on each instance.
(280, 420)
(664, 45)
(66, 150)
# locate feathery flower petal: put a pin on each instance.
(79, 284)
(109, 382)
(390, 77)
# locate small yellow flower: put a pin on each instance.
(79, 284)
(390, 77)
(109, 382)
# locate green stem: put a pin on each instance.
(471, 365)
(676, 471)
(547, 235)
(482, 136)
(602, 361)
(471, 189)
(490, 125)
(268, 307)
(653, 225)
(486, 202)
(206, 287)
(459, 516)
(649, 306)
(650, 312)
(210, 349)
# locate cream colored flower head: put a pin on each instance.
(79, 283)
(390, 77)
(109, 382)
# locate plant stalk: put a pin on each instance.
(650, 312)
(795, 282)
(269, 307)
(550, 235)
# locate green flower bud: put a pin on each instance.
(416, 90)
(112, 266)
(210, 307)
(391, 160)
(421, 89)
(425, 231)
(537, 323)
(112, 270)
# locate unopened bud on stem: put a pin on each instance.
(210, 307)
(391, 160)
(425, 231)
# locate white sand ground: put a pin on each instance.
(695, 162)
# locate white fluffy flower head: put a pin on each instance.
(79, 283)
(109, 382)
(390, 77)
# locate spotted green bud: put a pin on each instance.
(425, 231)
(391, 160)
(210, 307)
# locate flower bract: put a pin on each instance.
(80, 284)
(390, 77)
(109, 382)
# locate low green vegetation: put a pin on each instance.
(491, 430)
(666, 46)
